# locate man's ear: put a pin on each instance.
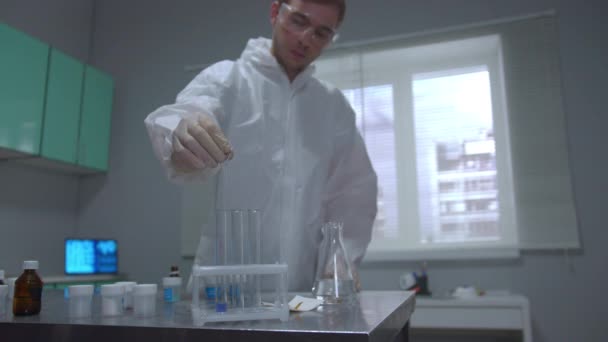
(274, 12)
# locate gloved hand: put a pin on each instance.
(199, 143)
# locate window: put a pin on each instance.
(455, 151)
(433, 111)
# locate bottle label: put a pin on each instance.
(168, 294)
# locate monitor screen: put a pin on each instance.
(91, 256)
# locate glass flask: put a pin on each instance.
(334, 283)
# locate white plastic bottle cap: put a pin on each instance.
(30, 265)
(80, 290)
(172, 281)
(1, 274)
(145, 289)
(112, 290)
(128, 285)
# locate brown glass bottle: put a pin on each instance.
(28, 291)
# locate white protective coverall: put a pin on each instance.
(298, 156)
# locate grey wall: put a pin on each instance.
(146, 44)
(38, 209)
(65, 24)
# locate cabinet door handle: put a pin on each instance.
(82, 153)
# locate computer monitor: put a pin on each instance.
(91, 256)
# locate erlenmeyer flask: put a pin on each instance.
(334, 282)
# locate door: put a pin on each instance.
(62, 108)
(95, 120)
(23, 70)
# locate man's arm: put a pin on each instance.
(186, 136)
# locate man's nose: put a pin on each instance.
(306, 36)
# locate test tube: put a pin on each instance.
(223, 224)
(221, 300)
(239, 229)
(255, 230)
(242, 290)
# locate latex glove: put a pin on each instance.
(199, 143)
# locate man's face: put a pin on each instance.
(301, 30)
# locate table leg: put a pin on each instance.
(404, 334)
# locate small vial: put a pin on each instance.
(172, 289)
(111, 299)
(27, 291)
(81, 298)
(144, 300)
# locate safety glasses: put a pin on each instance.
(298, 22)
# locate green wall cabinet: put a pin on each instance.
(52, 107)
(62, 108)
(95, 120)
(23, 72)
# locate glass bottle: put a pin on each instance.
(28, 291)
(174, 273)
(334, 282)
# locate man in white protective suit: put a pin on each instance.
(280, 140)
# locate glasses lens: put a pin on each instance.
(323, 35)
(298, 22)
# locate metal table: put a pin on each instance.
(378, 316)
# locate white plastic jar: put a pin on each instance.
(11, 287)
(81, 299)
(111, 299)
(172, 289)
(3, 301)
(127, 303)
(144, 299)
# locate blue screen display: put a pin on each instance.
(91, 256)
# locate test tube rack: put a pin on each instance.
(278, 309)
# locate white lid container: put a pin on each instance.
(81, 298)
(3, 293)
(80, 290)
(30, 265)
(144, 300)
(128, 296)
(145, 289)
(111, 299)
(128, 285)
(112, 290)
(11, 286)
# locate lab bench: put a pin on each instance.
(376, 316)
